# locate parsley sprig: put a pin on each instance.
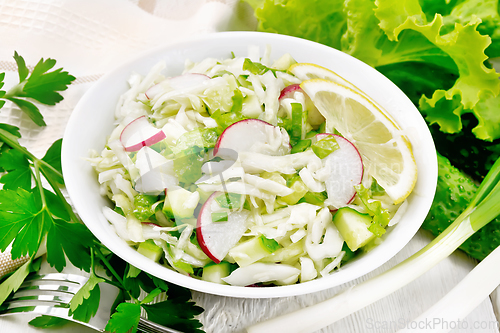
(33, 209)
(41, 85)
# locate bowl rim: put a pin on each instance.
(422, 195)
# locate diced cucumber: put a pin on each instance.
(180, 203)
(274, 176)
(167, 209)
(252, 250)
(150, 250)
(353, 226)
(299, 190)
(314, 198)
(287, 254)
(183, 266)
(215, 273)
(284, 62)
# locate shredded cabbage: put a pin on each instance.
(159, 189)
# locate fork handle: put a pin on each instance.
(147, 326)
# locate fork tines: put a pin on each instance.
(44, 294)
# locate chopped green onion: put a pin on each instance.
(254, 67)
(229, 200)
(301, 146)
(314, 198)
(270, 244)
(219, 217)
(296, 128)
(324, 147)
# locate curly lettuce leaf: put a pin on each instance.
(487, 12)
(466, 47)
(362, 34)
(320, 20)
(436, 51)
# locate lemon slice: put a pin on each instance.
(306, 71)
(386, 152)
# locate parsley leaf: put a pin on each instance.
(30, 109)
(47, 322)
(151, 296)
(53, 159)
(85, 303)
(21, 221)
(19, 171)
(178, 315)
(125, 318)
(178, 311)
(72, 239)
(13, 282)
(21, 67)
(41, 85)
(13, 130)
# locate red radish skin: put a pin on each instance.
(217, 238)
(242, 135)
(140, 133)
(184, 81)
(151, 224)
(347, 171)
(289, 90)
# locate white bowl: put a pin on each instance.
(92, 121)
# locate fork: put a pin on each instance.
(50, 295)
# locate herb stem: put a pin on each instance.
(58, 192)
(108, 266)
(15, 91)
(38, 180)
(11, 140)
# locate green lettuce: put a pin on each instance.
(436, 51)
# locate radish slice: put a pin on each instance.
(184, 81)
(217, 238)
(288, 91)
(345, 171)
(253, 135)
(140, 133)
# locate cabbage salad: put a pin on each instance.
(228, 173)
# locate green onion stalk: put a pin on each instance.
(482, 209)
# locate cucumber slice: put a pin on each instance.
(353, 226)
(252, 250)
(299, 189)
(150, 250)
(180, 203)
(215, 273)
(286, 255)
(284, 62)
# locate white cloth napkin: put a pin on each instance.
(89, 38)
